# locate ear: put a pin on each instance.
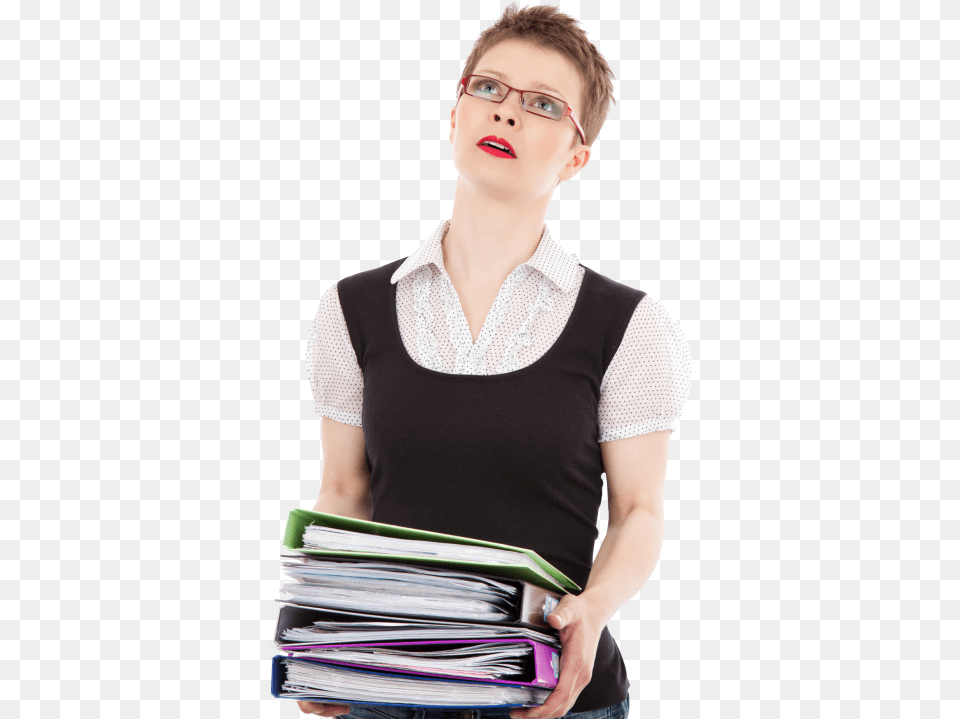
(577, 163)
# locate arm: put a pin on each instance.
(345, 485)
(336, 382)
(636, 468)
(344, 491)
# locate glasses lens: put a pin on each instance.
(487, 88)
(544, 105)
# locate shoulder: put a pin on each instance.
(653, 331)
(648, 381)
(329, 323)
(375, 277)
(651, 312)
(329, 315)
(611, 305)
(611, 289)
(653, 344)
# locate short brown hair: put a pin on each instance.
(548, 28)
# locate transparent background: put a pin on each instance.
(182, 181)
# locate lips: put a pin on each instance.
(494, 151)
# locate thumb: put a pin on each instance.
(559, 620)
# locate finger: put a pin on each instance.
(547, 709)
(322, 709)
(559, 702)
(333, 710)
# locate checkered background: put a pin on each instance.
(182, 181)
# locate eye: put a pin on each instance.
(545, 104)
(484, 86)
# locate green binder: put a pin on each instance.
(530, 567)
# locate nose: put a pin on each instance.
(512, 110)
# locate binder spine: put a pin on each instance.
(535, 604)
(547, 662)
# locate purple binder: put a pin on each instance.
(546, 660)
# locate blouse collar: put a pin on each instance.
(550, 259)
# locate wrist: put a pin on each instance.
(594, 610)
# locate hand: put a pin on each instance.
(580, 631)
(324, 710)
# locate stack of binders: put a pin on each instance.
(377, 614)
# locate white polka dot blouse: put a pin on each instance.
(644, 387)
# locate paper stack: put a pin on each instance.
(378, 614)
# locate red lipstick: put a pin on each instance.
(495, 151)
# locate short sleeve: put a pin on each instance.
(336, 379)
(648, 379)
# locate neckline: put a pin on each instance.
(401, 348)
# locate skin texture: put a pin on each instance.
(516, 192)
(324, 710)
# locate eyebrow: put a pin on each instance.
(537, 86)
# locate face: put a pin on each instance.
(541, 145)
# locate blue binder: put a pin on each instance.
(279, 676)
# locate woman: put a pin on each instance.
(482, 385)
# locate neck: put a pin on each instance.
(483, 253)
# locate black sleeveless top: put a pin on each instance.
(511, 458)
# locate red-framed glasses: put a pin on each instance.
(532, 101)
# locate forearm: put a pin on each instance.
(627, 557)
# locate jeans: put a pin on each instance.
(615, 711)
